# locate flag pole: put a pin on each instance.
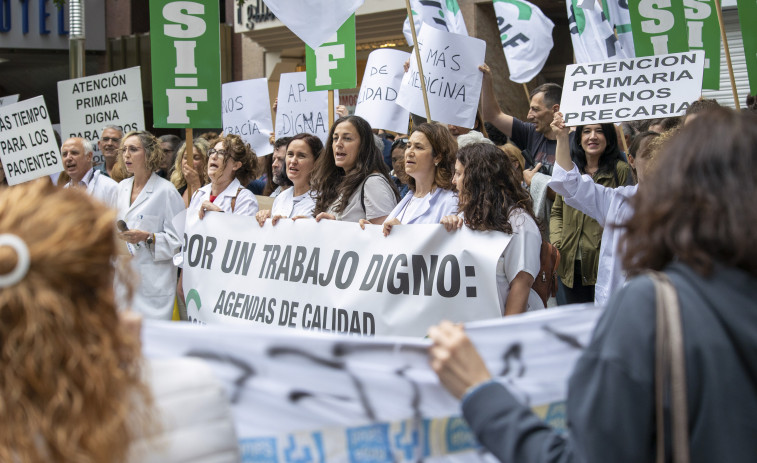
(189, 147)
(727, 54)
(418, 60)
(528, 94)
(331, 108)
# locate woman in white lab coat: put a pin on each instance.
(231, 165)
(147, 204)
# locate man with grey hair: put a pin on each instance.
(110, 139)
(77, 161)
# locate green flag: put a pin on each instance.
(333, 65)
(747, 14)
(665, 26)
(186, 63)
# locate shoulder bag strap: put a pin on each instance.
(670, 363)
(234, 199)
(362, 190)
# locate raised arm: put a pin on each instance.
(491, 110)
(562, 152)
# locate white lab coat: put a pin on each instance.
(153, 211)
(608, 206)
(435, 205)
(245, 204)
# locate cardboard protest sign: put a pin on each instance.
(377, 100)
(88, 104)
(672, 27)
(453, 82)
(297, 275)
(246, 113)
(186, 63)
(302, 111)
(27, 143)
(333, 64)
(347, 399)
(10, 99)
(632, 89)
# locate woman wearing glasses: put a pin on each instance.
(429, 165)
(231, 165)
(147, 205)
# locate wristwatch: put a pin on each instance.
(150, 239)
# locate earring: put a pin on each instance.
(436, 164)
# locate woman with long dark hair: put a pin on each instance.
(492, 199)
(351, 177)
(578, 237)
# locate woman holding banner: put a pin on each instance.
(351, 177)
(231, 165)
(147, 205)
(302, 152)
(577, 236)
(491, 198)
(429, 164)
(190, 175)
(615, 408)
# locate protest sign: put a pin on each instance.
(10, 99)
(377, 100)
(747, 13)
(347, 399)
(453, 82)
(313, 21)
(297, 275)
(632, 89)
(301, 111)
(27, 143)
(186, 63)
(526, 36)
(247, 113)
(660, 28)
(333, 65)
(88, 104)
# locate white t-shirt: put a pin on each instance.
(288, 205)
(379, 201)
(522, 254)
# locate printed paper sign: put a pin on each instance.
(377, 100)
(344, 399)
(89, 104)
(301, 111)
(297, 275)
(247, 113)
(27, 143)
(10, 99)
(453, 81)
(186, 63)
(632, 89)
(333, 65)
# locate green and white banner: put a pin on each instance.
(526, 36)
(592, 33)
(333, 65)
(661, 27)
(186, 63)
(440, 14)
(747, 15)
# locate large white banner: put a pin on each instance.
(246, 113)
(343, 399)
(301, 111)
(88, 104)
(453, 82)
(10, 99)
(632, 89)
(333, 276)
(377, 100)
(27, 143)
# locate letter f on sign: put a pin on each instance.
(324, 64)
(181, 100)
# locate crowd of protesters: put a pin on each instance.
(678, 200)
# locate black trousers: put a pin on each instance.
(579, 293)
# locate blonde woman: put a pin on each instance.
(190, 175)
